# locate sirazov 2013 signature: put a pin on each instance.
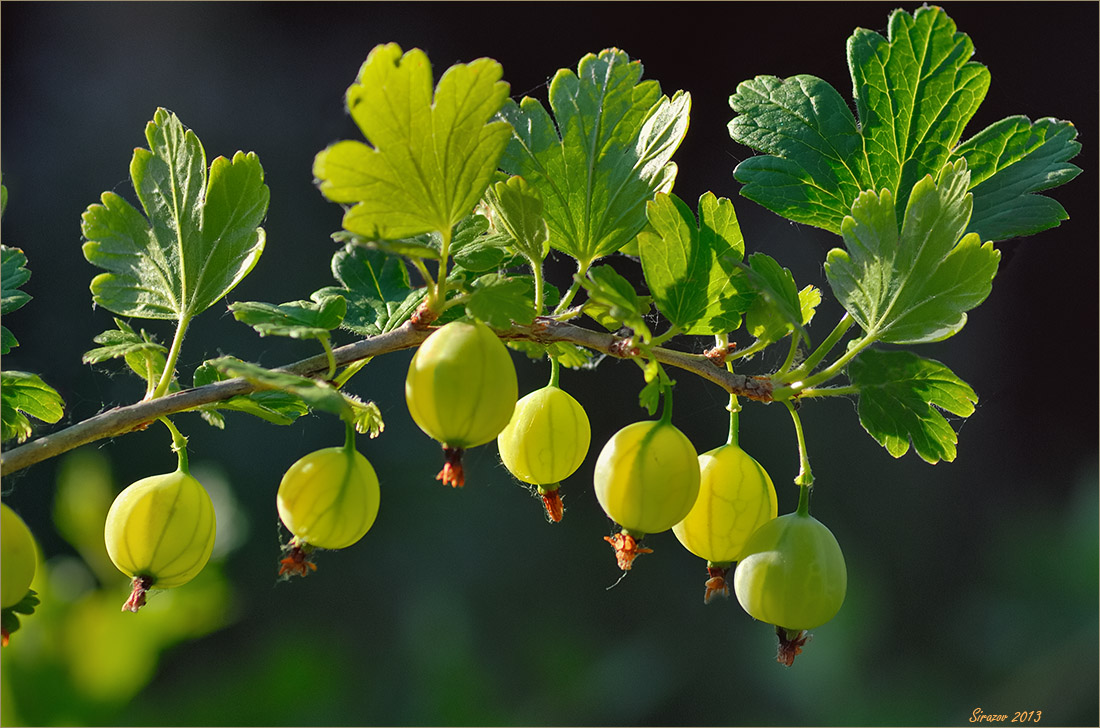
(1020, 716)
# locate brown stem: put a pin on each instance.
(121, 420)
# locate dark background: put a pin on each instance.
(972, 584)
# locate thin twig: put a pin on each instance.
(121, 420)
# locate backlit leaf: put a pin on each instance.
(605, 152)
(21, 395)
(913, 286)
(192, 242)
(900, 398)
(429, 158)
(691, 268)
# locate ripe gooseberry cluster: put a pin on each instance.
(648, 478)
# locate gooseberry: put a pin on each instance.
(791, 575)
(328, 499)
(647, 479)
(160, 532)
(736, 496)
(18, 558)
(461, 390)
(546, 441)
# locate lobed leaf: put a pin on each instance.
(24, 395)
(430, 157)
(691, 268)
(612, 300)
(376, 287)
(296, 319)
(13, 274)
(604, 154)
(196, 239)
(764, 321)
(499, 300)
(915, 91)
(913, 286)
(779, 308)
(142, 353)
(900, 398)
(517, 208)
(1010, 161)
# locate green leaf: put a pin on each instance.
(430, 157)
(691, 269)
(376, 286)
(271, 405)
(899, 393)
(913, 286)
(22, 395)
(915, 91)
(764, 321)
(612, 300)
(499, 300)
(9, 616)
(142, 353)
(603, 155)
(13, 274)
(296, 319)
(196, 240)
(122, 342)
(314, 393)
(1009, 162)
(779, 308)
(517, 207)
(568, 355)
(475, 247)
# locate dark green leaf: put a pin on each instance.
(431, 157)
(605, 152)
(272, 405)
(691, 269)
(22, 395)
(475, 248)
(914, 93)
(196, 241)
(499, 300)
(316, 394)
(1010, 162)
(377, 289)
(899, 394)
(123, 342)
(14, 275)
(296, 319)
(914, 286)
